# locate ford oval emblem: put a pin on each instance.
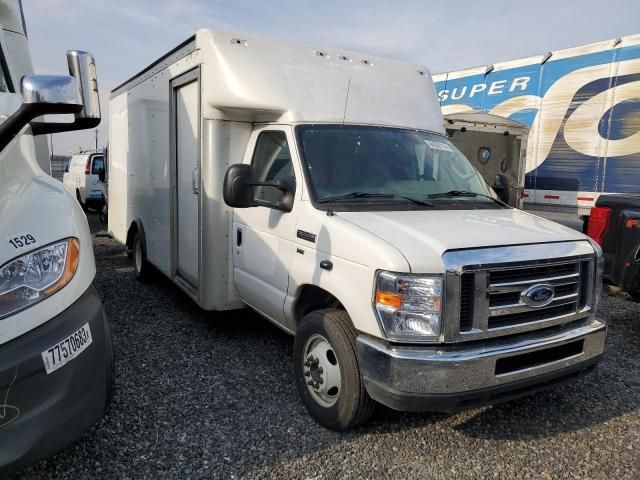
(539, 295)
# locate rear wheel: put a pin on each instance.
(326, 370)
(140, 265)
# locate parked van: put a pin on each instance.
(56, 367)
(85, 178)
(317, 186)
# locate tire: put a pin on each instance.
(325, 337)
(140, 265)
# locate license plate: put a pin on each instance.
(66, 350)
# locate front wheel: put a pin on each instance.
(326, 370)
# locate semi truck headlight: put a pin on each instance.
(36, 275)
(409, 306)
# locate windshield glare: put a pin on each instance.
(342, 159)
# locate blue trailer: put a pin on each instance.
(582, 106)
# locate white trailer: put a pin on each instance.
(318, 187)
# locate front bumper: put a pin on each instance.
(449, 378)
(39, 413)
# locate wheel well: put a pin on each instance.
(314, 298)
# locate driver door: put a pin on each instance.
(263, 237)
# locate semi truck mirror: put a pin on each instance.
(41, 95)
(237, 189)
(82, 68)
(502, 187)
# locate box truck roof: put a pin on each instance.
(259, 79)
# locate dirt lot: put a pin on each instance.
(203, 395)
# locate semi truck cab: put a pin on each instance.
(318, 187)
(56, 364)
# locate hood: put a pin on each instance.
(423, 236)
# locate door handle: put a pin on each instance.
(238, 237)
(195, 175)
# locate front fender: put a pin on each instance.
(351, 283)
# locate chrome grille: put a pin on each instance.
(484, 288)
(506, 287)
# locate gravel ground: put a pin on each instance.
(202, 395)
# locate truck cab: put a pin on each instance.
(56, 365)
(318, 187)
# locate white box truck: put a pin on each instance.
(318, 187)
(56, 363)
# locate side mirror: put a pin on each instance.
(101, 175)
(502, 187)
(237, 189)
(82, 67)
(41, 95)
(238, 186)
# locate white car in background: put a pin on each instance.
(85, 178)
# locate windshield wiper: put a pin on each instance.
(352, 195)
(465, 193)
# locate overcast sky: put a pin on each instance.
(125, 36)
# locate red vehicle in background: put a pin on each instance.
(614, 223)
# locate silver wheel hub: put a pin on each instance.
(321, 371)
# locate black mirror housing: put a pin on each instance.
(237, 189)
(502, 187)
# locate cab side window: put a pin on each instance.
(271, 162)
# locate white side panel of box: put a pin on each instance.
(223, 144)
(139, 183)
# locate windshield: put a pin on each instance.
(369, 163)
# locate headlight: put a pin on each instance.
(36, 275)
(409, 306)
